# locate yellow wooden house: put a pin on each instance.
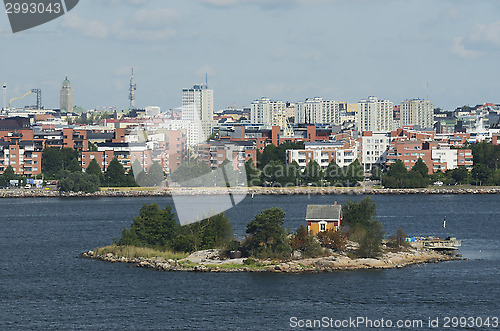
(321, 218)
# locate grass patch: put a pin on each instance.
(136, 252)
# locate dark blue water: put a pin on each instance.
(44, 285)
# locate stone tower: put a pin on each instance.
(66, 96)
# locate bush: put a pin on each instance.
(306, 243)
(370, 246)
(398, 239)
(335, 240)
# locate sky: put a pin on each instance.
(290, 50)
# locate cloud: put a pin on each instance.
(88, 28)
(155, 18)
(273, 4)
(311, 56)
(219, 3)
(460, 50)
(206, 69)
(123, 31)
(488, 33)
(128, 2)
(143, 25)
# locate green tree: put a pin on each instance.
(421, 168)
(370, 245)
(362, 213)
(395, 176)
(252, 173)
(353, 174)
(270, 153)
(8, 175)
(190, 171)
(94, 169)
(460, 175)
(481, 174)
(267, 237)
(292, 175)
(487, 154)
(78, 182)
(210, 233)
(156, 176)
(312, 173)
(272, 172)
(333, 173)
(154, 227)
(56, 159)
(376, 173)
(115, 174)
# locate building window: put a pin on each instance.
(322, 226)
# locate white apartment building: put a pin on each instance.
(375, 115)
(319, 111)
(374, 148)
(417, 112)
(323, 154)
(268, 112)
(198, 108)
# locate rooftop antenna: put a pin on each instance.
(4, 96)
(132, 89)
(206, 78)
(427, 91)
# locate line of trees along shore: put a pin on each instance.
(266, 236)
(272, 170)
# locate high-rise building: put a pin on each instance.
(375, 115)
(268, 112)
(198, 107)
(319, 111)
(417, 112)
(66, 101)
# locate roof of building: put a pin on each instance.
(323, 212)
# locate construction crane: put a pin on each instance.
(38, 98)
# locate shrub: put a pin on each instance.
(306, 243)
(335, 240)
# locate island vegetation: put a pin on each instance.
(156, 234)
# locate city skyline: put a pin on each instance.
(285, 50)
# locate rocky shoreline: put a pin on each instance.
(22, 193)
(208, 261)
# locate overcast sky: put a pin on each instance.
(288, 50)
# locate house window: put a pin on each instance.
(322, 226)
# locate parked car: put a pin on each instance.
(438, 183)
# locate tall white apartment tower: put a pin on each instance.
(375, 115)
(268, 112)
(198, 107)
(417, 112)
(319, 111)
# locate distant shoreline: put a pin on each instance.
(134, 192)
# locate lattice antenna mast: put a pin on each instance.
(132, 89)
(4, 96)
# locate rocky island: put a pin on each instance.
(210, 261)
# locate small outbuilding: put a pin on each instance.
(322, 218)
